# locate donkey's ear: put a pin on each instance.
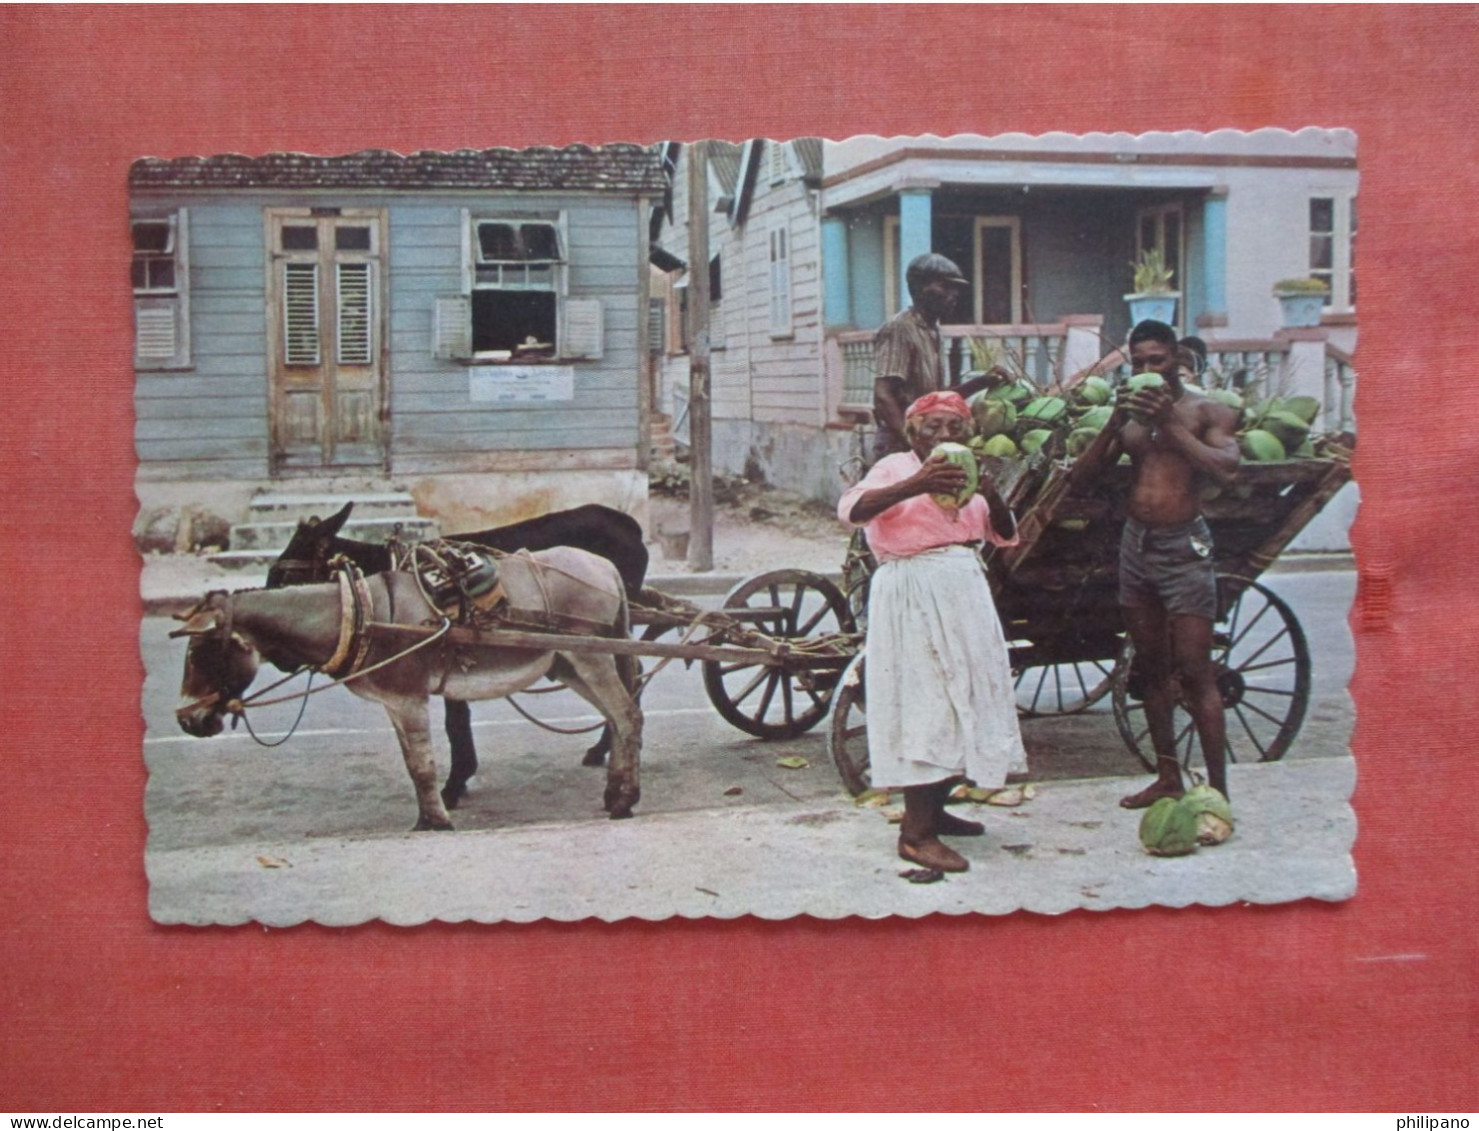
(335, 522)
(198, 621)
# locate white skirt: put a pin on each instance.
(941, 701)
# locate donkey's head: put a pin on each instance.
(220, 664)
(306, 559)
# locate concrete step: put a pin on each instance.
(663, 446)
(290, 507)
(273, 537)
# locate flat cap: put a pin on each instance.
(933, 266)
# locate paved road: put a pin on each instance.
(340, 782)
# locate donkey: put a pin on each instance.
(231, 634)
(609, 533)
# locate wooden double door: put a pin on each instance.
(326, 338)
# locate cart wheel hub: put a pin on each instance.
(1230, 686)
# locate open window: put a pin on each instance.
(515, 303)
(161, 285)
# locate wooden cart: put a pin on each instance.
(1057, 593)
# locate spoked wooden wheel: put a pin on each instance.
(848, 740)
(769, 701)
(1062, 689)
(1263, 674)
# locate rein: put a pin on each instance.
(354, 644)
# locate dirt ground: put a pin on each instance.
(756, 527)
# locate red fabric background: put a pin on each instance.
(1369, 1004)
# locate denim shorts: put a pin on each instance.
(1169, 567)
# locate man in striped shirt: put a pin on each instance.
(908, 356)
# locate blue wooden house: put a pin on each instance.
(467, 328)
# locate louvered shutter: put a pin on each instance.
(155, 339)
(300, 314)
(780, 283)
(657, 321)
(779, 165)
(584, 328)
(354, 314)
(451, 328)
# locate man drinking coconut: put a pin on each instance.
(1176, 440)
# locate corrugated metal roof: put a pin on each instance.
(808, 152)
(620, 167)
(724, 158)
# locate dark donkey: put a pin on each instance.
(598, 530)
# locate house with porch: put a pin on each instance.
(1046, 229)
(464, 333)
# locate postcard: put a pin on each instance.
(880, 527)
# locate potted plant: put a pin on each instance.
(1152, 296)
(1301, 300)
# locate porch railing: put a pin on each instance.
(1035, 351)
(1340, 390)
(1250, 367)
(1045, 354)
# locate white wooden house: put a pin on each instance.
(468, 328)
(765, 314)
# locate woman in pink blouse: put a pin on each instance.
(941, 702)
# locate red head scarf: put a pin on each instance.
(945, 401)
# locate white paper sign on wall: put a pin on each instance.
(521, 384)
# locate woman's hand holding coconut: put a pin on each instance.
(938, 476)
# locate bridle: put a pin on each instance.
(221, 631)
(314, 568)
(346, 664)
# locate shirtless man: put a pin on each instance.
(1168, 585)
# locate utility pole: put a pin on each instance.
(700, 422)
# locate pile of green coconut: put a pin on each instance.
(1016, 420)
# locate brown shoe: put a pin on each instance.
(948, 824)
(933, 854)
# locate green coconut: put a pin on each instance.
(1019, 392)
(1211, 812)
(1096, 417)
(1256, 411)
(1260, 446)
(1093, 390)
(1289, 429)
(1305, 450)
(962, 457)
(1032, 442)
(1135, 384)
(1080, 439)
(993, 417)
(1168, 829)
(1227, 397)
(1045, 411)
(1002, 447)
(1306, 408)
